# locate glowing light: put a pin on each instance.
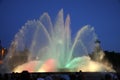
(30, 67)
(3, 52)
(48, 66)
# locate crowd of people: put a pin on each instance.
(25, 75)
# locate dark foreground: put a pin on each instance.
(60, 76)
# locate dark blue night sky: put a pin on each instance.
(104, 15)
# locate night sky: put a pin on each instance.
(103, 15)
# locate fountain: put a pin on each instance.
(41, 46)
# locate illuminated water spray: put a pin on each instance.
(41, 46)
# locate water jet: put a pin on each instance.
(41, 46)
